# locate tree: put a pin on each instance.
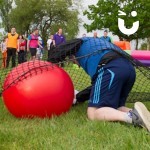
(5, 10)
(24, 14)
(105, 15)
(48, 15)
(143, 46)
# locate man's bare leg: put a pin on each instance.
(138, 116)
(107, 114)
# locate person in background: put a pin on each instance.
(50, 45)
(21, 49)
(12, 44)
(4, 52)
(95, 35)
(26, 54)
(84, 35)
(59, 38)
(33, 43)
(106, 37)
(40, 49)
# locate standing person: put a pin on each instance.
(95, 35)
(21, 49)
(40, 49)
(25, 53)
(33, 43)
(84, 35)
(12, 44)
(4, 52)
(59, 38)
(106, 37)
(50, 45)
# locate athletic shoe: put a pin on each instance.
(141, 116)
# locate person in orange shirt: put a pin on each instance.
(12, 45)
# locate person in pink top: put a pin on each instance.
(21, 49)
(33, 43)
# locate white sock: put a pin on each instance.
(128, 117)
(75, 100)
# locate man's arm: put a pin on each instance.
(18, 45)
(28, 42)
(54, 40)
(48, 45)
(49, 42)
(40, 44)
(6, 40)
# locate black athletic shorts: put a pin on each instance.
(33, 51)
(112, 84)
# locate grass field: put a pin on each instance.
(71, 131)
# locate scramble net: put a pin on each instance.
(63, 56)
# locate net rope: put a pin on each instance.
(63, 55)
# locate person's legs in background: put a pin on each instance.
(38, 53)
(23, 56)
(4, 59)
(19, 57)
(42, 53)
(9, 54)
(33, 52)
(13, 57)
(49, 52)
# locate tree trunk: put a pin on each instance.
(148, 43)
(44, 37)
(137, 44)
(120, 38)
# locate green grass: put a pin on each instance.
(71, 131)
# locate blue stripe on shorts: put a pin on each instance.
(98, 86)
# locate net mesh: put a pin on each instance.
(63, 56)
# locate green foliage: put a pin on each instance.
(23, 15)
(143, 46)
(1, 36)
(48, 15)
(5, 10)
(105, 15)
